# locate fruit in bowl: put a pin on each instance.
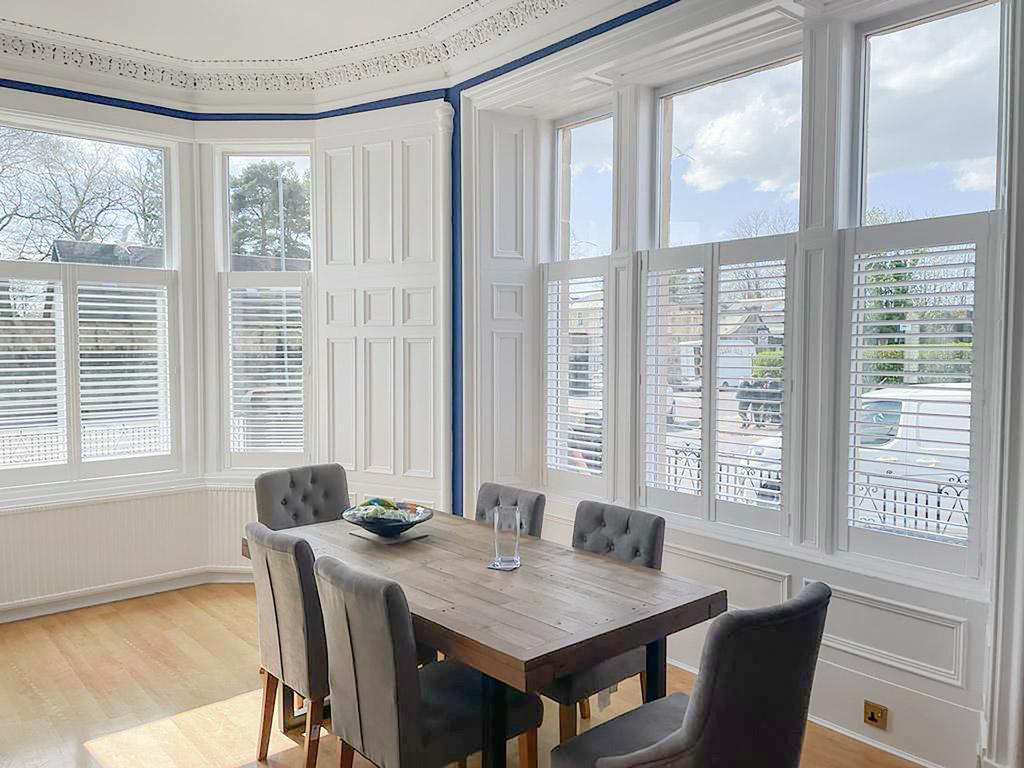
(385, 517)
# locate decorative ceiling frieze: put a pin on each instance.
(441, 41)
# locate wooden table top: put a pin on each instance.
(562, 611)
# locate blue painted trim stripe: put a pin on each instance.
(182, 114)
(452, 96)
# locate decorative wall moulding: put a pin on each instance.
(435, 44)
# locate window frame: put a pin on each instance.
(245, 462)
(922, 13)
(74, 471)
(563, 187)
(984, 229)
(663, 95)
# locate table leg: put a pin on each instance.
(494, 716)
(657, 683)
(289, 721)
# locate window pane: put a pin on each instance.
(76, 200)
(748, 382)
(587, 189)
(675, 374)
(575, 375)
(123, 370)
(268, 211)
(932, 117)
(912, 360)
(266, 369)
(732, 169)
(33, 426)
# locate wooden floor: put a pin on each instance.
(172, 680)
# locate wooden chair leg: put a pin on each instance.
(311, 743)
(528, 749)
(643, 686)
(566, 722)
(267, 715)
(346, 755)
(585, 708)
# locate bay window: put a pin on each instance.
(265, 300)
(89, 351)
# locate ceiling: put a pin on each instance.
(232, 30)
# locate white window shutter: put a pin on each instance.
(33, 417)
(124, 376)
(266, 370)
(575, 370)
(749, 383)
(911, 379)
(674, 378)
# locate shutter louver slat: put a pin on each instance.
(911, 374)
(124, 376)
(749, 375)
(575, 375)
(674, 360)
(266, 370)
(33, 419)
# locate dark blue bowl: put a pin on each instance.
(388, 528)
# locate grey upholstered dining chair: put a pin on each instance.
(631, 536)
(293, 648)
(382, 706)
(531, 506)
(749, 705)
(288, 498)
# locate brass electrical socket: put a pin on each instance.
(876, 715)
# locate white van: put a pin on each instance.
(911, 458)
(735, 362)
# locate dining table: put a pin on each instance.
(562, 611)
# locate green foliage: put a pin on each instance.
(768, 363)
(256, 214)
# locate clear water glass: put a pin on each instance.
(507, 521)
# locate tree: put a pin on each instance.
(142, 184)
(74, 191)
(762, 222)
(15, 154)
(257, 217)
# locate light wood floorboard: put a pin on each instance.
(172, 681)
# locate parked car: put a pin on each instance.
(908, 449)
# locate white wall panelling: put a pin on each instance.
(382, 334)
(502, 337)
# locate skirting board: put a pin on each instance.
(125, 590)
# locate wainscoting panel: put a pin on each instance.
(383, 378)
(68, 552)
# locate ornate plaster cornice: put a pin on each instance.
(436, 43)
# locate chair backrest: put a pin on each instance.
(374, 682)
(625, 534)
(288, 498)
(531, 506)
(749, 705)
(291, 626)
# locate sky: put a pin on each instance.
(931, 120)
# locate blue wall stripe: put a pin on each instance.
(451, 95)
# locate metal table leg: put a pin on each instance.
(495, 705)
(657, 683)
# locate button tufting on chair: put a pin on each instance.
(302, 491)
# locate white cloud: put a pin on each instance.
(933, 96)
(977, 175)
(747, 128)
(592, 147)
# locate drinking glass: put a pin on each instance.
(507, 520)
